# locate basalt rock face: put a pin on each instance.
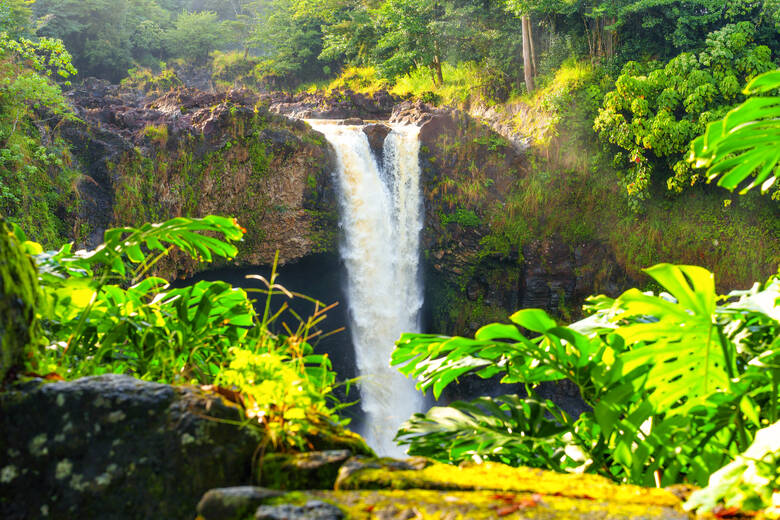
(339, 104)
(469, 170)
(192, 153)
(115, 447)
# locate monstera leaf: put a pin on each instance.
(746, 142)
(676, 335)
(487, 429)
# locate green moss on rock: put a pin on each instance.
(19, 298)
(499, 477)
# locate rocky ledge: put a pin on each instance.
(338, 104)
(417, 488)
(114, 447)
(193, 153)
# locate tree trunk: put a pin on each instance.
(528, 68)
(533, 49)
(437, 64)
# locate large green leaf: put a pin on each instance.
(676, 338)
(487, 429)
(746, 142)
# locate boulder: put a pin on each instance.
(112, 446)
(311, 510)
(311, 470)
(233, 503)
(376, 134)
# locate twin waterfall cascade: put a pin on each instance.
(381, 216)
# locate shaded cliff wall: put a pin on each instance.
(190, 153)
(475, 274)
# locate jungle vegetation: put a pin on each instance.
(681, 380)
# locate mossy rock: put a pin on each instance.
(19, 297)
(500, 477)
(476, 505)
(310, 470)
(330, 436)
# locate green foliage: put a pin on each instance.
(291, 41)
(655, 111)
(462, 217)
(101, 313)
(678, 384)
(35, 177)
(744, 143)
(146, 80)
(231, 69)
(195, 35)
(749, 483)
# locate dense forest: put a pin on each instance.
(566, 148)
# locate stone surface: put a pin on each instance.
(233, 503)
(376, 134)
(115, 447)
(193, 153)
(19, 326)
(311, 510)
(338, 104)
(310, 470)
(478, 505)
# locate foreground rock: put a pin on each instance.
(418, 489)
(114, 447)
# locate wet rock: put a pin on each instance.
(312, 510)
(233, 503)
(112, 446)
(311, 470)
(376, 134)
(356, 121)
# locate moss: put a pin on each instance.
(157, 134)
(20, 329)
(499, 477)
(463, 505)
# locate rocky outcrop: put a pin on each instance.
(114, 447)
(191, 153)
(469, 172)
(418, 488)
(338, 104)
(376, 134)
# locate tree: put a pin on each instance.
(412, 32)
(195, 35)
(655, 111)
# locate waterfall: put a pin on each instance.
(381, 215)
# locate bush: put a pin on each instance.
(656, 110)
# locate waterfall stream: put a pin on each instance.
(381, 216)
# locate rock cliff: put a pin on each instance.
(190, 153)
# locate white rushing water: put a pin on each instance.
(381, 214)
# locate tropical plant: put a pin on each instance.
(677, 384)
(101, 313)
(749, 483)
(745, 142)
(656, 110)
